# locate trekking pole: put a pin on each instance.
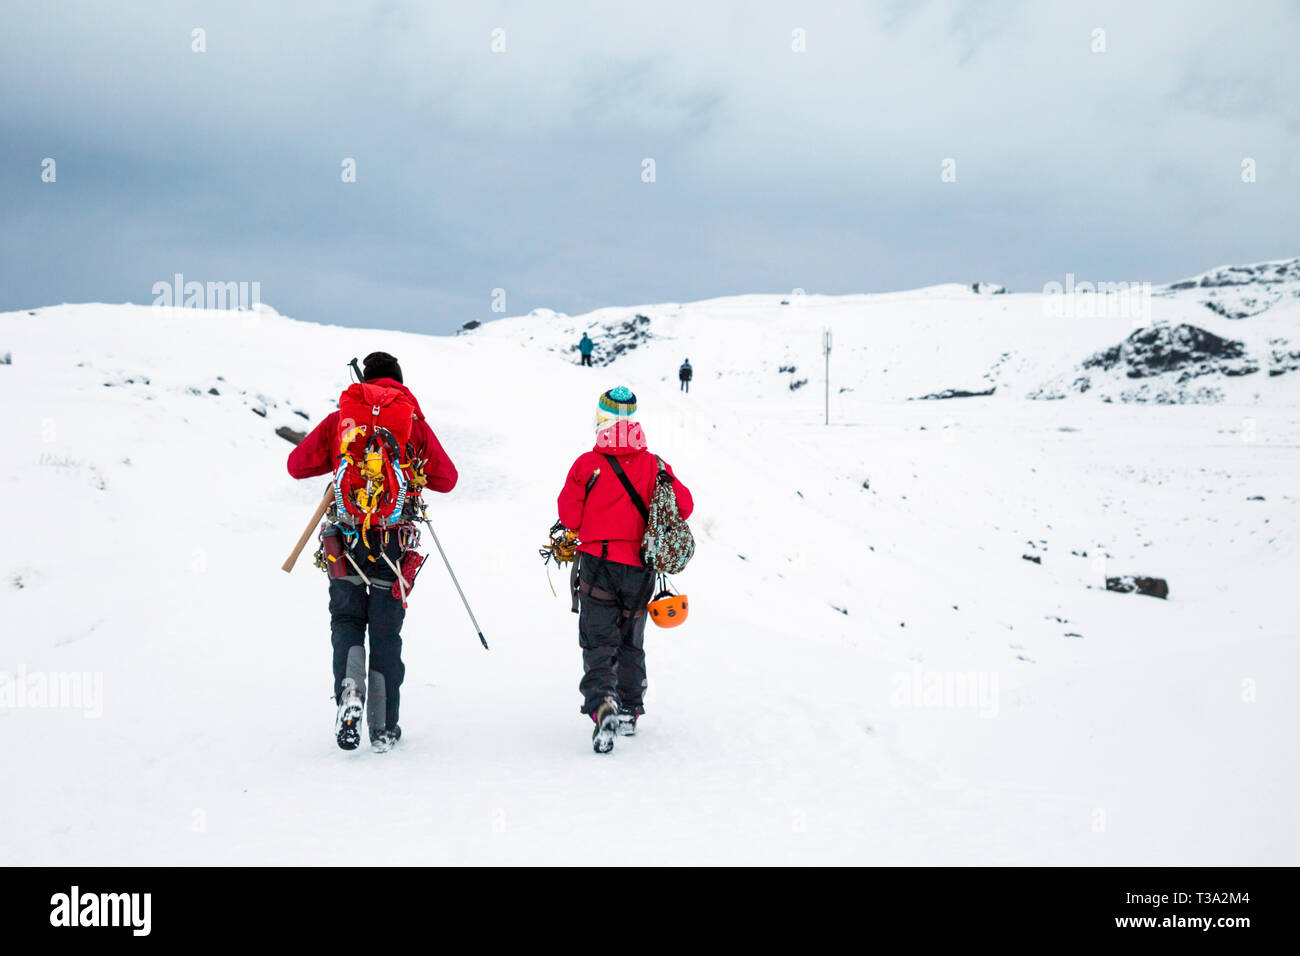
(464, 600)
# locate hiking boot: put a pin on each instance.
(381, 741)
(606, 720)
(347, 722)
(626, 722)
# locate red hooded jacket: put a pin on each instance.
(318, 452)
(605, 518)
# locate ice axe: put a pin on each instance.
(311, 526)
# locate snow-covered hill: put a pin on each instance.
(942, 339)
(901, 649)
(1239, 292)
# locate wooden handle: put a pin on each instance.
(311, 526)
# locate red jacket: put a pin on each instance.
(318, 453)
(606, 520)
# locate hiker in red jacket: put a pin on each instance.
(354, 605)
(613, 583)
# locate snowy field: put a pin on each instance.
(874, 670)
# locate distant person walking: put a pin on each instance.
(586, 346)
(684, 374)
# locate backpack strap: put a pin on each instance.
(664, 476)
(630, 488)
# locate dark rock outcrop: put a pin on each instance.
(1162, 365)
(954, 393)
(1188, 350)
(616, 339)
(1239, 292)
(1136, 584)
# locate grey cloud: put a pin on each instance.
(521, 170)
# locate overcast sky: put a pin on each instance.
(522, 169)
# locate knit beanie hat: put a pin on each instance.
(617, 404)
(381, 365)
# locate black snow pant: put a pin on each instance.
(686, 385)
(586, 360)
(611, 632)
(353, 607)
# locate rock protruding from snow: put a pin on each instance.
(1185, 350)
(1282, 358)
(1238, 292)
(1136, 584)
(624, 337)
(988, 288)
(955, 393)
(1159, 365)
(614, 339)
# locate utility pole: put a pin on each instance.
(826, 347)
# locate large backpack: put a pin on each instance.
(668, 543)
(370, 483)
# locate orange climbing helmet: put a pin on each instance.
(668, 609)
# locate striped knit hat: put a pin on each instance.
(617, 404)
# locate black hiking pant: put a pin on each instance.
(686, 385)
(611, 632)
(353, 608)
(586, 360)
